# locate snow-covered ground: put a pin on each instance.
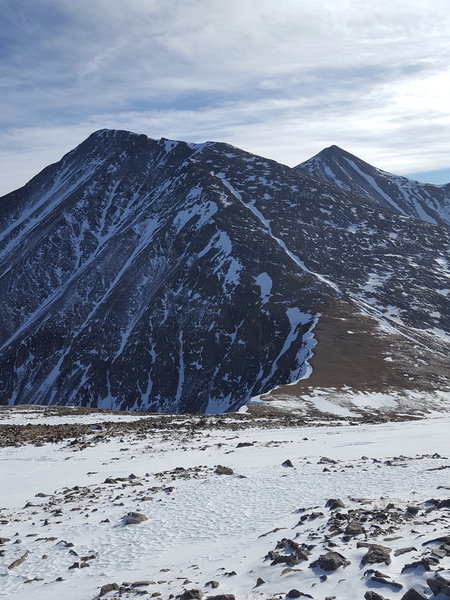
(204, 527)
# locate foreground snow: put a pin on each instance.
(203, 526)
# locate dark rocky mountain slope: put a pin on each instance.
(165, 276)
(425, 201)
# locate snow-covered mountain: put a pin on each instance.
(430, 203)
(166, 276)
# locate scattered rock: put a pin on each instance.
(330, 561)
(377, 554)
(108, 587)
(354, 528)
(134, 518)
(413, 594)
(287, 463)
(426, 562)
(212, 584)
(333, 503)
(445, 539)
(379, 577)
(401, 551)
(412, 510)
(439, 585)
(371, 595)
(19, 561)
(221, 597)
(221, 470)
(259, 582)
(192, 595)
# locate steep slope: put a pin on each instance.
(131, 276)
(166, 276)
(430, 203)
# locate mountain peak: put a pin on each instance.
(165, 276)
(404, 196)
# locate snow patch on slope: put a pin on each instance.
(265, 283)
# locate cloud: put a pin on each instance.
(281, 78)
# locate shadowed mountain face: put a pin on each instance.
(173, 277)
(430, 203)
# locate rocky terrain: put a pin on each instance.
(162, 276)
(115, 505)
(424, 201)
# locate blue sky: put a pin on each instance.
(281, 78)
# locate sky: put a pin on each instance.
(280, 78)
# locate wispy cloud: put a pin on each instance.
(282, 79)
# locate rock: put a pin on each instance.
(333, 503)
(19, 561)
(439, 585)
(377, 554)
(192, 595)
(439, 552)
(259, 582)
(315, 515)
(401, 551)
(221, 470)
(445, 539)
(293, 594)
(221, 597)
(384, 580)
(413, 594)
(354, 528)
(108, 587)
(325, 459)
(136, 584)
(297, 555)
(426, 562)
(212, 584)
(4, 540)
(134, 518)
(244, 444)
(371, 595)
(287, 463)
(330, 561)
(412, 510)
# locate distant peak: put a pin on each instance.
(112, 139)
(114, 133)
(334, 150)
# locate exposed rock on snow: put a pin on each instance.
(330, 561)
(134, 518)
(208, 531)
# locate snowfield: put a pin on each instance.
(63, 504)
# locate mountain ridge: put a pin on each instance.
(408, 197)
(160, 275)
